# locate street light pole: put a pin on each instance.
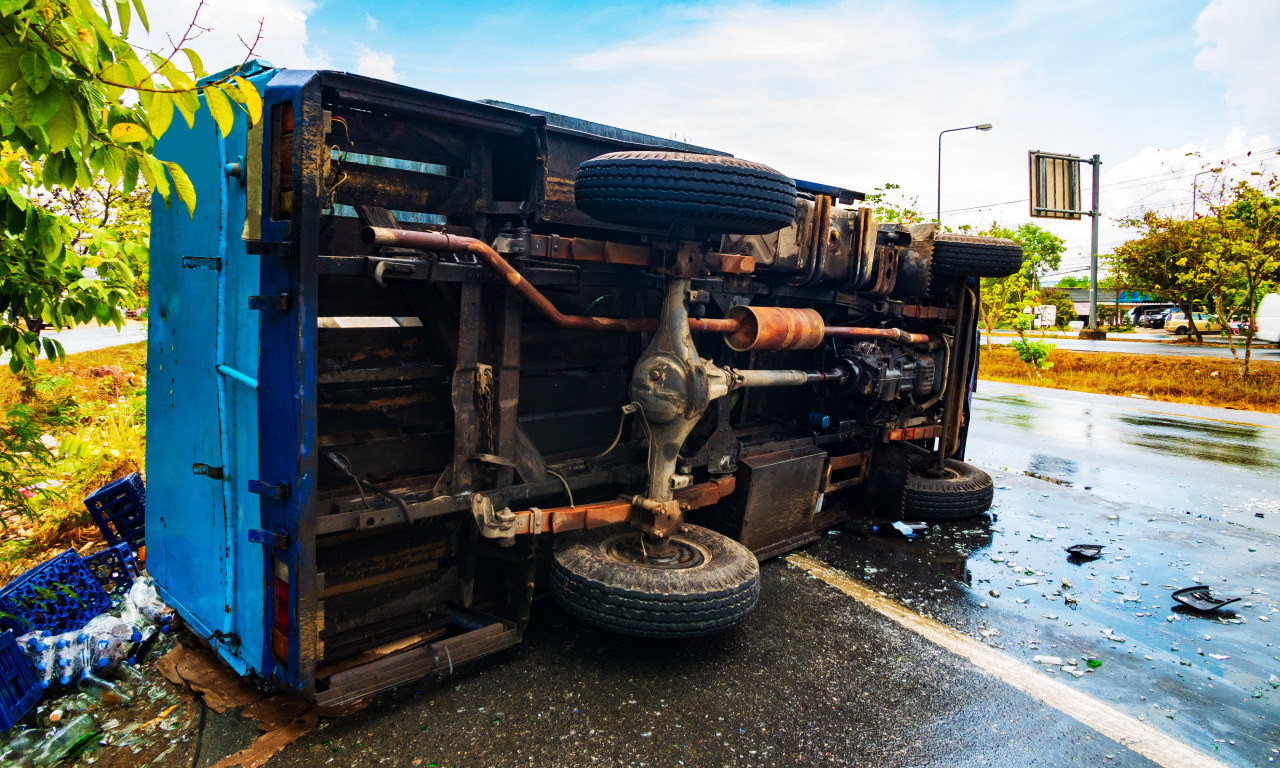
(982, 127)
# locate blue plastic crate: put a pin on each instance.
(114, 568)
(59, 595)
(119, 510)
(19, 685)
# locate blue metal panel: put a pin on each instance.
(186, 516)
(286, 378)
(200, 323)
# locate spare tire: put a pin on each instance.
(961, 490)
(708, 192)
(973, 256)
(604, 577)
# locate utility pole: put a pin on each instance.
(1093, 247)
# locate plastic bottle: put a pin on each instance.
(35, 641)
(45, 664)
(109, 640)
(142, 647)
(68, 665)
(145, 601)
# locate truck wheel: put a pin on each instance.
(968, 255)
(658, 189)
(961, 491)
(605, 578)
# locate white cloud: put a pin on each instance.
(379, 64)
(1239, 47)
(854, 93)
(227, 23)
(370, 22)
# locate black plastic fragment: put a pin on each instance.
(1201, 598)
(1085, 551)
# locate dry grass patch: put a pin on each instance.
(1194, 380)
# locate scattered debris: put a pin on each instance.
(1201, 598)
(1085, 551)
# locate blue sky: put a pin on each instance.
(848, 92)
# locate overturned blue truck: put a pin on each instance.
(417, 362)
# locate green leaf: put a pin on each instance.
(249, 96)
(35, 70)
(160, 114)
(142, 14)
(153, 172)
(182, 185)
(177, 78)
(8, 7)
(220, 108)
(122, 11)
(62, 128)
(139, 74)
(69, 170)
(9, 69)
(130, 173)
(115, 72)
(41, 107)
(188, 103)
(128, 132)
(197, 66)
(52, 170)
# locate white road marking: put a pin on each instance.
(1156, 746)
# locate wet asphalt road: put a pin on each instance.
(816, 678)
(1267, 352)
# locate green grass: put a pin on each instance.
(106, 440)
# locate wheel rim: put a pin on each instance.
(630, 549)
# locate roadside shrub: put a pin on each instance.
(1034, 353)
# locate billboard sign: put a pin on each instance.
(1055, 186)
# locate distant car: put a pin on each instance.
(1178, 323)
(1143, 312)
(1155, 319)
(1147, 316)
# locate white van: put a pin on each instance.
(1268, 319)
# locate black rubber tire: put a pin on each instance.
(1181, 330)
(708, 192)
(964, 491)
(634, 599)
(969, 255)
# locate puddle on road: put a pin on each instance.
(1008, 583)
(1230, 444)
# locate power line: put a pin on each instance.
(1140, 181)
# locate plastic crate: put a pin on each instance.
(114, 568)
(119, 510)
(59, 595)
(19, 686)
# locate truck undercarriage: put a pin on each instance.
(497, 353)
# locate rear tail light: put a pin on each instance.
(280, 612)
(282, 160)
